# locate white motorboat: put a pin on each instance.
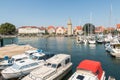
(100, 40)
(111, 45)
(20, 68)
(79, 39)
(91, 41)
(114, 50)
(10, 61)
(88, 70)
(108, 38)
(34, 58)
(56, 67)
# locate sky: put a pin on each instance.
(58, 12)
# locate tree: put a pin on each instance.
(89, 28)
(7, 29)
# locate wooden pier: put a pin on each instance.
(13, 49)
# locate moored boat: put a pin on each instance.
(10, 61)
(20, 68)
(88, 70)
(25, 66)
(56, 67)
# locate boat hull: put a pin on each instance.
(16, 74)
(64, 73)
(57, 76)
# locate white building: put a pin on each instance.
(78, 30)
(31, 30)
(60, 30)
(51, 29)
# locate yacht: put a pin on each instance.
(88, 70)
(100, 40)
(114, 50)
(111, 45)
(10, 61)
(91, 41)
(55, 68)
(37, 58)
(79, 39)
(20, 68)
(108, 38)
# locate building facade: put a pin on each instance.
(60, 30)
(51, 30)
(99, 29)
(118, 27)
(78, 30)
(28, 30)
(31, 30)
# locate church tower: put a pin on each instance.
(69, 24)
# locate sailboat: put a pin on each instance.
(91, 39)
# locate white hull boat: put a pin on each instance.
(20, 68)
(56, 67)
(88, 70)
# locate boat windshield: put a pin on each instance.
(51, 65)
(54, 65)
(34, 57)
(37, 57)
(15, 66)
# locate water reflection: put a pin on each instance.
(92, 46)
(78, 52)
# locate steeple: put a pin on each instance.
(69, 22)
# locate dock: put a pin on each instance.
(13, 49)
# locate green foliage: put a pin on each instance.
(7, 29)
(89, 28)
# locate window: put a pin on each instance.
(40, 58)
(59, 65)
(67, 61)
(49, 64)
(15, 66)
(54, 65)
(33, 64)
(25, 66)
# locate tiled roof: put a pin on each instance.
(78, 28)
(118, 26)
(42, 28)
(49, 27)
(28, 27)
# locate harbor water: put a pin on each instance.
(78, 52)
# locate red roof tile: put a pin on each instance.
(78, 28)
(49, 27)
(118, 26)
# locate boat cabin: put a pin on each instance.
(38, 56)
(90, 68)
(30, 52)
(54, 66)
(24, 64)
(58, 60)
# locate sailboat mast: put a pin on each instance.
(110, 21)
(90, 23)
